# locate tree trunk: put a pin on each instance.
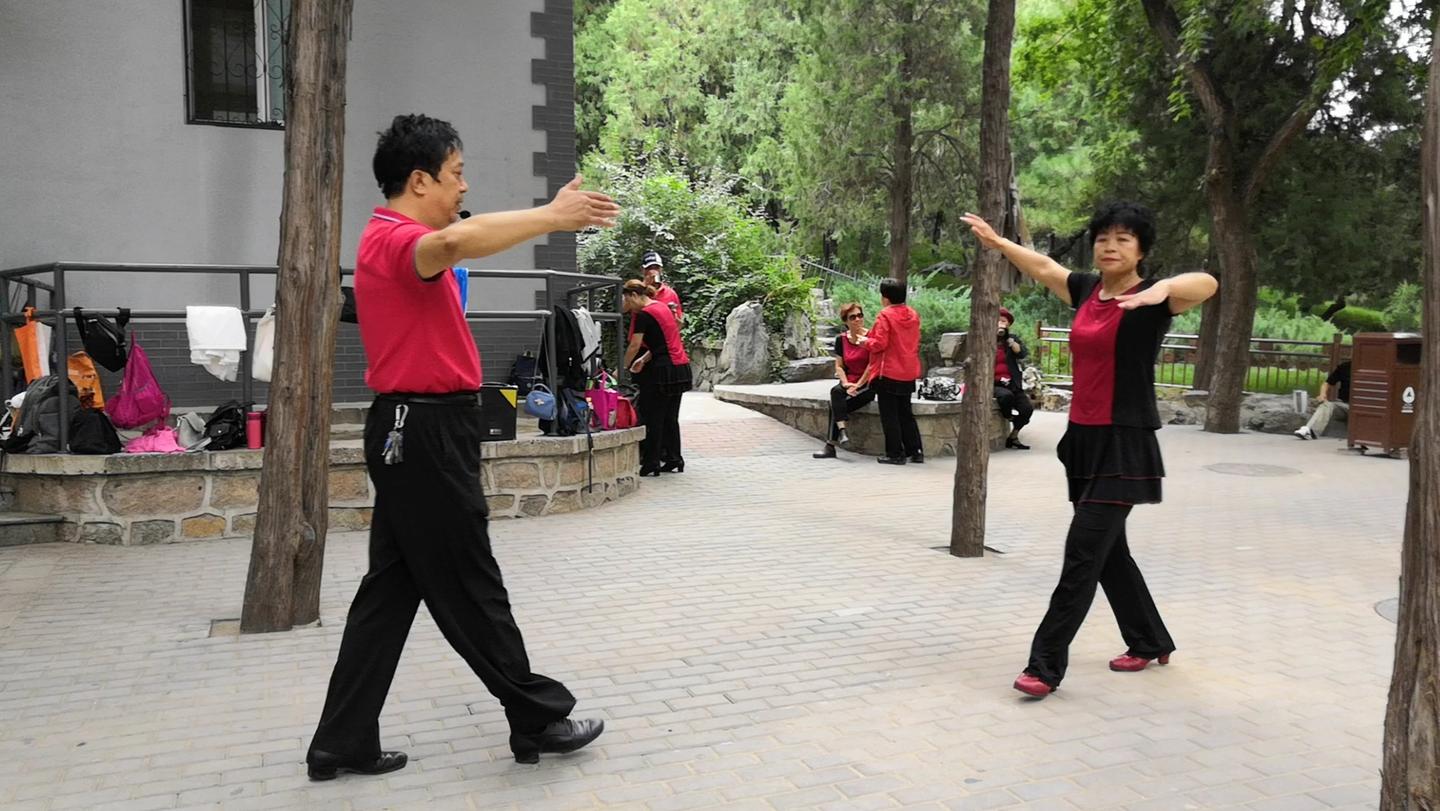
(902, 149)
(1230, 230)
(1410, 777)
(1335, 306)
(1205, 345)
(902, 184)
(972, 446)
(283, 586)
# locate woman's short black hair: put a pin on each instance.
(893, 290)
(1132, 217)
(412, 142)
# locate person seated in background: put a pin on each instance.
(1334, 401)
(851, 368)
(1010, 394)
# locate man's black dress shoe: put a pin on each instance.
(917, 458)
(557, 738)
(891, 460)
(325, 766)
(1014, 442)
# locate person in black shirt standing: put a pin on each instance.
(1334, 401)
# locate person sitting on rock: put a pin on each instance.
(851, 368)
(1010, 394)
(1334, 401)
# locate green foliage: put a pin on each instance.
(1403, 312)
(1360, 319)
(717, 254)
(940, 310)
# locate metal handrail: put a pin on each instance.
(58, 309)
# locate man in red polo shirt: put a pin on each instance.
(428, 536)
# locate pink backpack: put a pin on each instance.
(140, 399)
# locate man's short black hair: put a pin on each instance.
(893, 290)
(412, 142)
(1132, 217)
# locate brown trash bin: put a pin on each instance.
(1384, 387)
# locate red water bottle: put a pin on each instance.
(254, 430)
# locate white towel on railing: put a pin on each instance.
(217, 337)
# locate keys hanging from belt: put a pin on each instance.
(394, 452)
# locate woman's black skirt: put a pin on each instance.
(1112, 464)
(668, 378)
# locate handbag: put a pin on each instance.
(625, 416)
(34, 339)
(140, 399)
(939, 388)
(540, 402)
(263, 361)
(104, 340)
(602, 402)
(86, 380)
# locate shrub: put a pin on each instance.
(1403, 311)
(717, 253)
(1359, 319)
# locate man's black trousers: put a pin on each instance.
(429, 541)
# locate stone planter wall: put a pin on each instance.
(806, 408)
(133, 500)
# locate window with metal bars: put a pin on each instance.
(235, 61)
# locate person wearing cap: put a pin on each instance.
(652, 266)
(1010, 394)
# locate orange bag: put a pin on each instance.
(86, 380)
(34, 340)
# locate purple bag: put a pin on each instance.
(140, 399)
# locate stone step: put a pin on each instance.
(347, 430)
(20, 529)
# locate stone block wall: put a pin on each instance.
(939, 423)
(133, 500)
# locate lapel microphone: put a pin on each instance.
(464, 215)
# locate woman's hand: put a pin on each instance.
(1157, 294)
(851, 388)
(982, 231)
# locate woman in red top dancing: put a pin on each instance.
(1109, 450)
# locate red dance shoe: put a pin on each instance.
(1135, 664)
(1032, 686)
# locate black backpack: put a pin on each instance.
(104, 340)
(523, 374)
(39, 428)
(226, 427)
(91, 432)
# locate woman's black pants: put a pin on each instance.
(902, 434)
(660, 414)
(842, 405)
(1096, 552)
(1013, 399)
(429, 540)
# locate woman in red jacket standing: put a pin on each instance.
(894, 346)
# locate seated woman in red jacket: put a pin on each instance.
(894, 346)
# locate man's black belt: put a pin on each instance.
(454, 398)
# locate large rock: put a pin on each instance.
(952, 346)
(745, 357)
(1270, 414)
(1054, 400)
(798, 342)
(956, 373)
(798, 371)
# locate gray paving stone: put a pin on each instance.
(788, 660)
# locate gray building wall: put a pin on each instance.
(100, 164)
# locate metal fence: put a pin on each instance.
(574, 289)
(1276, 364)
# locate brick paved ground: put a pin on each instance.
(764, 631)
